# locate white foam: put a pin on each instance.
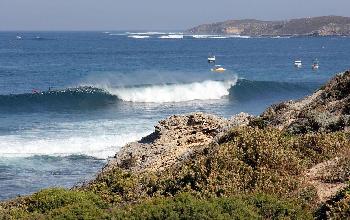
(172, 36)
(146, 33)
(206, 90)
(139, 36)
(240, 36)
(116, 34)
(100, 146)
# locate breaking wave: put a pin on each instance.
(86, 97)
(206, 90)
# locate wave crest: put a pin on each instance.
(206, 90)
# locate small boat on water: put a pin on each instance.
(18, 37)
(211, 59)
(298, 64)
(218, 69)
(315, 65)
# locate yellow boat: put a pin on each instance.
(218, 69)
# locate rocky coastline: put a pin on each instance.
(326, 110)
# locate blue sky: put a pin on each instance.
(153, 14)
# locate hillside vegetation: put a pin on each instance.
(316, 26)
(249, 173)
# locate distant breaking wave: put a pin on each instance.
(172, 36)
(146, 33)
(139, 36)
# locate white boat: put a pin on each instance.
(315, 65)
(218, 69)
(298, 64)
(211, 59)
(18, 37)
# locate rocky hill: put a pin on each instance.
(327, 110)
(316, 26)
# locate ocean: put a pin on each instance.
(70, 100)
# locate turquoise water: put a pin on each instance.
(70, 100)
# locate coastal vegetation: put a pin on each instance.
(249, 173)
(260, 169)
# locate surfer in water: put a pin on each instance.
(34, 91)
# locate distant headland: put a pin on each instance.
(312, 26)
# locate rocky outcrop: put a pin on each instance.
(173, 140)
(317, 26)
(177, 137)
(328, 109)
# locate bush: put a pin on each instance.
(56, 203)
(184, 206)
(116, 186)
(244, 161)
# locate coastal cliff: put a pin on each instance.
(316, 26)
(291, 162)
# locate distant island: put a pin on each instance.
(315, 26)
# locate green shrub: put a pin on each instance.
(49, 199)
(270, 207)
(54, 203)
(184, 206)
(116, 186)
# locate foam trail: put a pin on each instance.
(206, 90)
